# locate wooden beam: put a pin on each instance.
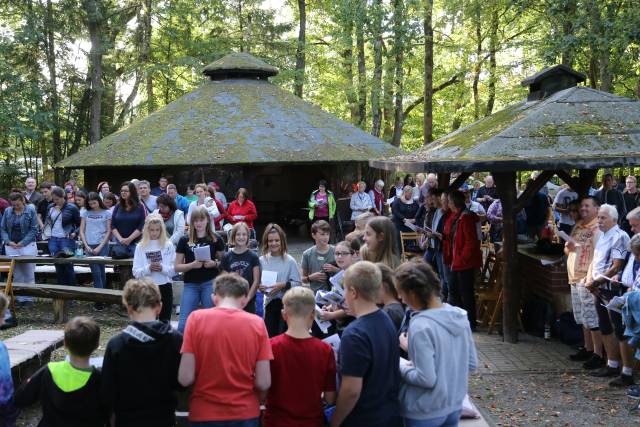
(506, 185)
(585, 180)
(443, 180)
(571, 180)
(530, 191)
(460, 179)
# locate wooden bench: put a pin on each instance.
(60, 294)
(31, 350)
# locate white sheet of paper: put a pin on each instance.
(564, 236)
(334, 342)
(202, 253)
(404, 362)
(608, 279)
(9, 251)
(337, 279)
(322, 324)
(389, 201)
(268, 278)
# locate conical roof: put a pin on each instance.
(239, 64)
(233, 121)
(577, 127)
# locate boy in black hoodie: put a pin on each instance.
(140, 368)
(68, 391)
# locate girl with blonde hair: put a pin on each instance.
(154, 258)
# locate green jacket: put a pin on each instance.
(312, 204)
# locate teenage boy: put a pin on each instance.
(302, 369)
(140, 368)
(68, 391)
(318, 262)
(225, 356)
(42, 207)
(149, 201)
(369, 356)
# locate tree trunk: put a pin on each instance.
(493, 47)
(147, 54)
(376, 83)
(567, 32)
(53, 89)
(347, 61)
(300, 49)
(94, 22)
(427, 125)
(362, 68)
(457, 116)
(387, 97)
(398, 50)
(478, 67)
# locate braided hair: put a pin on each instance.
(418, 278)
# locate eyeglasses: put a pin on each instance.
(342, 253)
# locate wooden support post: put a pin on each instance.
(460, 179)
(443, 180)
(585, 180)
(506, 184)
(59, 312)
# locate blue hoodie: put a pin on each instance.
(442, 353)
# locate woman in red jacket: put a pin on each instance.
(242, 210)
(466, 255)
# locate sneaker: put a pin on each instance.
(582, 355)
(594, 363)
(622, 381)
(634, 392)
(606, 371)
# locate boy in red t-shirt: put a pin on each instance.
(225, 355)
(302, 370)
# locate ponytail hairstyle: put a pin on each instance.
(388, 280)
(417, 278)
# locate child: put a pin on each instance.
(243, 261)
(140, 367)
(302, 369)
(379, 235)
(8, 411)
(317, 261)
(154, 258)
(68, 391)
(368, 356)
(440, 347)
(225, 355)
(275, 259)
(388, 296)
(345, 256)
(198, 275)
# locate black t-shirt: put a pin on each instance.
(242, 264)
(199, 275)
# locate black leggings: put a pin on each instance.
(461, 293)
(609, 321)
(166, 293)
(273, 318)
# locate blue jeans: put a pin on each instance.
(253, 422)
(450, 420)
(443, 277)
(448, 277)
(97, 270)
(192, 294)
(64, 272)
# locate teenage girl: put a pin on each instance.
(239, 259)
(379, 242)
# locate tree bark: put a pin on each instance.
(478, 66)
(147, 54)
(300, 49)
(567, 31)
(388, 112)
(94, 14)
(54, 98)
(376, 82)
(362, 67)
(347, 61)
(398, 29)
(493, 47)
(427, 122)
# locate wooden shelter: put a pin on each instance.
(239, 130)
(560, 128)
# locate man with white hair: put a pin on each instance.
(634, 220)
(30, 193)
(487, 193)
(608, 260)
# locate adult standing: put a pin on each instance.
(219, 194)
(376, 194)
(30, 194)
(487, 192)
(64, 220)
(202, 193)
(43, 208)
(467, 257)
(103, 189)
(537, 212)
(396, 190)
(404, 209)
(172, 217)
(218, 222)
(127, 221)
(417, 190)
(95, 232)
(631, 197)
(610, 196)
(475, 207)
(181, 202)
(494, 216)
(242, 210)
(18, 229)
(561, 205)
(146, 198)
(161, 188)
(322, 204)
(360, 201)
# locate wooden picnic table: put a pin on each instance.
(124, 270)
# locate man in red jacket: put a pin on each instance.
(467, 257)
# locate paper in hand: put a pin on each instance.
(334, 342)
(564, 236)
(616, 303)
(154, 257)
(322, 324)
(268, 278)
(202, 253)
(10, 251)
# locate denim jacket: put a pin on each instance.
(70, 217)
(28, 225)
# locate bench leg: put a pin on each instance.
(59, 312)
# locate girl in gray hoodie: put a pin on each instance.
(441, 351)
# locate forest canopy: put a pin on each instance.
(407, 71)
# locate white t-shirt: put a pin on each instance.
(611, 245)
(562, 199)
(477, 209)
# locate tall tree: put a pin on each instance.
(94, 16)
(427, 124)
(301, 48)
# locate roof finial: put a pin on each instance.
(239, 66)
(551, 80)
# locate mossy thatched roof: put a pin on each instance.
(233, 121)
(575, 128)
